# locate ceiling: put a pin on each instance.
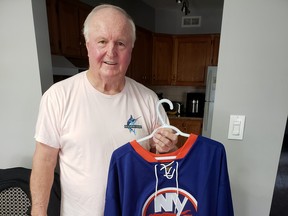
(171, 4)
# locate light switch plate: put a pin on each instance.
(236, 127)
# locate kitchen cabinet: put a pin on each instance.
(192, 56)
(83, 12)
(69, 29)
(186, 125)
(141, 61)
(182, 60)
(52, 17)
(65, 22)
(162, 59)
(215, 49)
(71, 18)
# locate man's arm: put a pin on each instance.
(42, 177)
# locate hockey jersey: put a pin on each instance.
(192, 181)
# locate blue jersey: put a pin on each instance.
(192, 181)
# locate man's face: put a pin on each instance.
(110, 44)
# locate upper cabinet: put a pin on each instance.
(215, 51)
(69, 28)
(65, 22)
(53, 26)
(83, 12)
(183, 60)
(192, 56)
(162, 59)
(141, 61)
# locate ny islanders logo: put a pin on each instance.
(170, 202)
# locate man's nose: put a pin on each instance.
(111, 49)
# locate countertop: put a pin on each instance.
(184, 117)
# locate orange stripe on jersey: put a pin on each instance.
(151, 157)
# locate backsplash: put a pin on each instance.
(176, 93)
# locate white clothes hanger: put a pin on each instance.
(164, 125)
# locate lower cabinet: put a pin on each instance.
(186, 125)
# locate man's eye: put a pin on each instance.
(101, 42)
(120, 43)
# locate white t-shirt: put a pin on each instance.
(87, 126)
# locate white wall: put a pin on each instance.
(170, 21)
(20, 85)
(142, 14)
(253, 81)
(42, 42)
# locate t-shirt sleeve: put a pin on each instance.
(48, 123)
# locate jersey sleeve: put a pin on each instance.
(224, 204)
(112, 199)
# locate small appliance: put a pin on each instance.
(177, 109)
(195, 104)
(178, 106)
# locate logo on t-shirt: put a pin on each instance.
(170, 201)
(131, 124)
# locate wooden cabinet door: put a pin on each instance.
(187, 126)
(65, 22)
(69, 28)
(83, 12)
(215, 48)
(141, 62)
(193, 55)
(52, 17)
(193, 126)
(162, 60)
(179, 123)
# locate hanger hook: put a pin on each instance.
(158, 108)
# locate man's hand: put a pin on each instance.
(164, 140)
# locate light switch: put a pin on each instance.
(236, 127)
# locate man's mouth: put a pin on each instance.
(110, 62)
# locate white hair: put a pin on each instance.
(103, 6)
